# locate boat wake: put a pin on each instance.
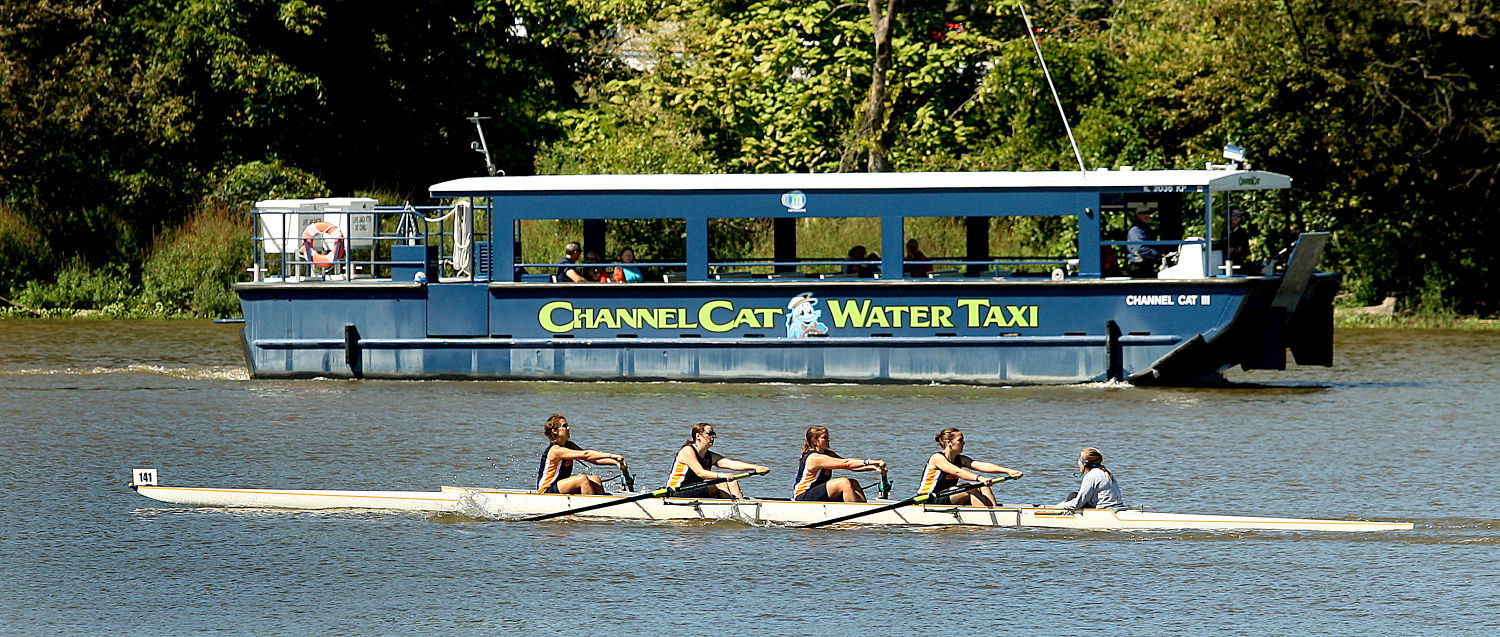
(1462, 524)
(458, 518)
(217, 372)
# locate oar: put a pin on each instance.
(920, 499)
(664, 492)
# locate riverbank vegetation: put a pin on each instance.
(133, 136)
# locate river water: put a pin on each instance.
(1403, 428)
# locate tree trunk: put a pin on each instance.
(869, 130)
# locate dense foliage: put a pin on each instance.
(119, 120)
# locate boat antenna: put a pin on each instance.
(482, 147)
(1032, 33)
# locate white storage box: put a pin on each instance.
(282, 221)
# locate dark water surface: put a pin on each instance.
(1404, 428)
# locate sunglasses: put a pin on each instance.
(711, 434)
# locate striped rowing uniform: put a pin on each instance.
(935, 479)
(809, 480)
(682, 474)
(550, 471)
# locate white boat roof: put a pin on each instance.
(1146, 180)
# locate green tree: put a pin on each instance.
(778, 86)
(1384, 113)
(117, 118)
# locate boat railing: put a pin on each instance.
(550, 267)
(993, 267)
(1159, 242)
(771, 270)
(396, 243)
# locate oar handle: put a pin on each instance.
(667, 492)
(1002, 478)
(981, 482)
(962, 488)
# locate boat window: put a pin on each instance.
(994, 247)
(610, 250)
(809, 247)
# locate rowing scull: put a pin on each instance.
(516, 503)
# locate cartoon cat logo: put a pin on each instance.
(802, 317)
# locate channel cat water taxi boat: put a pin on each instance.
(344, 288)
(515, 503)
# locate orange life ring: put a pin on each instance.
(323, 235)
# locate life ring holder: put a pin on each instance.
(326, 235)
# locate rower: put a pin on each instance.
(946, 467)
(1098, 489)
(815, 481)
(555, 473)
(695, 463)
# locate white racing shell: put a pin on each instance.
(516, 503)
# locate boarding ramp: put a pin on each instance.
(1309, 321)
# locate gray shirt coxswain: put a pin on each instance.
(1098, 491)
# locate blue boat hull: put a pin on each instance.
(977, 332)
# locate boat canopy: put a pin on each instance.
(1150, 181)
(892, 197)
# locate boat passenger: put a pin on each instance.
(565, 270)
(555, 473)
(815, 481)
(914, 253)
(695, 463)
(946, 467)
(860, 264)
(1143, 259)
(628, 273)
(1239, 239)
(1099, 489)
(593, 272)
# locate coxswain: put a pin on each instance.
(815, 481)
(1098, 489)
(555, 473)
(946, 467)
(695, 463)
